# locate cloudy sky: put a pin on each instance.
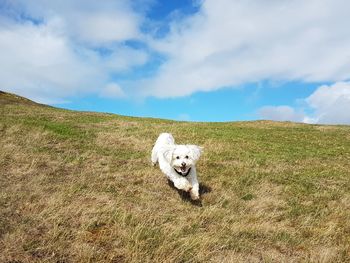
(200, 60)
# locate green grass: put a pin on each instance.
(79, 187)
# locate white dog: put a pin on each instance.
(177, 162)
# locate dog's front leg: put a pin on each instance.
(195, 188)
(154, 157)
(195, 192)
(182, 183)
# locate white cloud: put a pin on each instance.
(104, 28)
(44, 57)
(124, 58)
(40, 64)
(112, 90)
(230, 42)
(86, 20)
(281, 113)
(328, 104)
(331, 104)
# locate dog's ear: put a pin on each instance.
(168, 153)
(196, 151)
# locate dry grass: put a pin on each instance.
(79, 187)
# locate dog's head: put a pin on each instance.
(182, 157)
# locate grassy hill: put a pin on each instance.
(79, 187)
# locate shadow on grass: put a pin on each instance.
(185, 196)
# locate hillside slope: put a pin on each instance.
(79, 187)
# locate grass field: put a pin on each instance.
(79, 187)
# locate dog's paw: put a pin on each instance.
(194, 196)
(187, 187)
(183, 185)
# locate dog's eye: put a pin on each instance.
(186, 156)
(177, 157)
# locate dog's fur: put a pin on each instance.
(177, 162)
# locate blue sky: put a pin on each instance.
(208, 60)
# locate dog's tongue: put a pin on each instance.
(183, 169)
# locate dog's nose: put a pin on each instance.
(183, 164)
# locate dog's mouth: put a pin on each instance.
(183, 170)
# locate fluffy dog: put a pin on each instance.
(177, 162)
